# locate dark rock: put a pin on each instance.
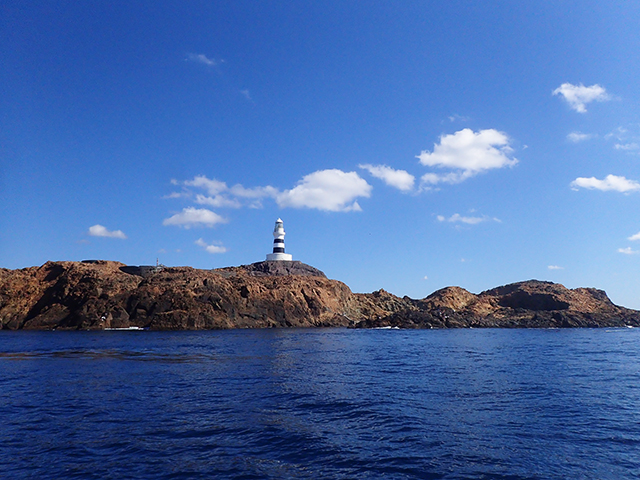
(142, 270)
(273, 268)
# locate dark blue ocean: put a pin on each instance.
(325, 403)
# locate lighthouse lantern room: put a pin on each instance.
(278, 244)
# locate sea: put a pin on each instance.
(321, 404)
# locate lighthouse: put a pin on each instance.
(278, 244)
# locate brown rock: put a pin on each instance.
(454, 298)
(100, 294)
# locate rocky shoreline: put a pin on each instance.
(98, 294)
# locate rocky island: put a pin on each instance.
(99, 294)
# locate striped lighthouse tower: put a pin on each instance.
(278, 244)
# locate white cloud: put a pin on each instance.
(468, 151)
(100, 231)
(211, 248)
(626, 146)
(201, 58)
(212, 186)
(577, 137)
(577, 96)
(458, 118)
(245, 93)
(330, 190)
(634, 237)
(619, 133)
(628, 251)
(191, 217)
(435, 178)
(626, 140)
(177, 195)
(218, 201)
(457, 218)
(610, 182)
(256, 192)
(400, 179)
(221, 196)
(555, 267)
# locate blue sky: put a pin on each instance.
(406, 145)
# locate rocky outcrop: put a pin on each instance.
(530, 304)
(274, 268)
(101, 294)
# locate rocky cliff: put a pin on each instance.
(530, 304)
(102, 294)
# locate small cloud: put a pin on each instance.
(457, 218)
(425, 278)
(555, 267)
(219, 201)
(221, 196)
(625, 140)
(212, 186)
(245, 93)
(628, 251)
(468, 152)
(100, 231)
(576, 137)
(177, 195)
(435, 178)
(610, 183)
(458, 118)
(399, 179)
(201, 58)
(162, 250)
(627, 146)
(619, 134)
(192, 217)
(634, 237)
(577, 96)
(329, 190)
(256, 192)
(211, 248)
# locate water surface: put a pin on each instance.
(323, 403)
